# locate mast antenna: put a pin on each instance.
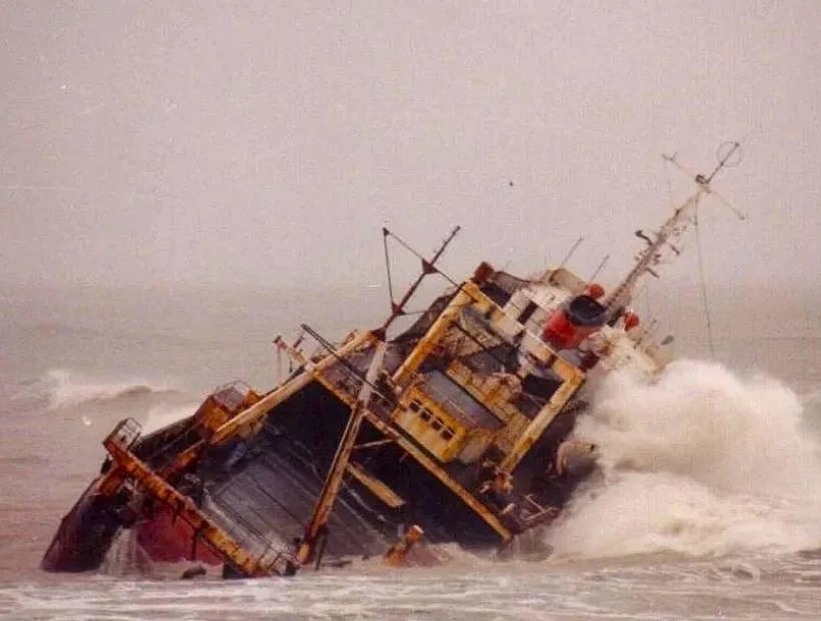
(724, 155)
(728, 155)
(602, 263)
(549, 272)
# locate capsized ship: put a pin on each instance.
(456, 430)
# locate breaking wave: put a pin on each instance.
(64, 389)
(160, 416)
(700, 462)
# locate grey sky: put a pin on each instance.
(172, 142)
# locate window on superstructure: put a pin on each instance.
(527, 312)
(445, 431)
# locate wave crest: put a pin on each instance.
(699, 462)
(65, 389)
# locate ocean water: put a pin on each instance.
(707, 506)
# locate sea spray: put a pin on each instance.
(700, 461)
(102, 401)
(63, 389)
(163, 415)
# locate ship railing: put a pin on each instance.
(351, 384)
(232, 395)
(278, 561)
(532, 512)
(126, 433)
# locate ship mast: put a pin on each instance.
(665, 237)
(655, 251)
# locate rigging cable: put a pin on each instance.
(701, 271)
(385, 234)
(703, 281)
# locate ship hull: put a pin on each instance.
(449, 430)
(85, 534)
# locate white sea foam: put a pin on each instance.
(699, 462)
(63, 389)
(680, 591)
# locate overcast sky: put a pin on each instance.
(177, 142)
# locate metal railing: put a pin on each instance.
(126, 433)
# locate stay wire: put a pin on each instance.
(385, 234)
(703, 282)
(701, 270)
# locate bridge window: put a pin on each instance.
(445, 431)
